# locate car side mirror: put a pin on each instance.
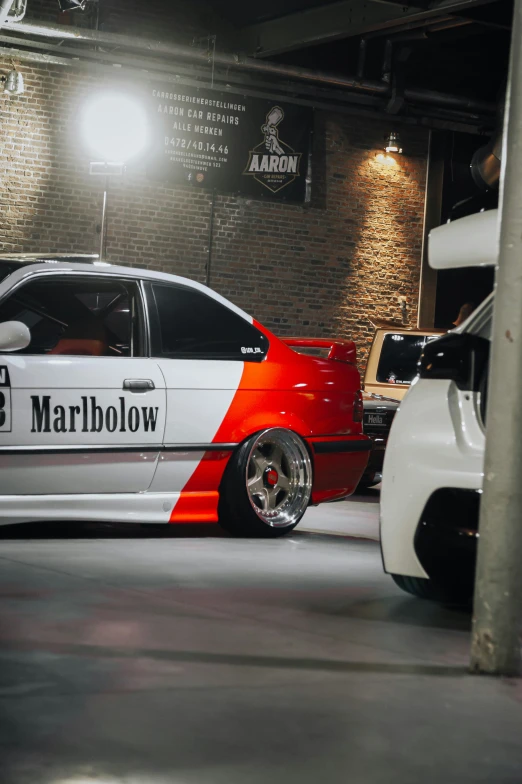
(14, 336)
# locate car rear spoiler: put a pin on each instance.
(472, 241)
(340, 350)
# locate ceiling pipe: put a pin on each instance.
(413, 30)
(330, 100)
(241, 62)
(363, 43)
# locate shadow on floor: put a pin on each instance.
(86, 530)
(241, 660)
(406, 610)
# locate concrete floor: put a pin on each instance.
(191, 658)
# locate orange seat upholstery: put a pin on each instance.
(80, 347)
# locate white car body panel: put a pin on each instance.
(199, 394)
(435, 441)
(77, 402)
(116, 508)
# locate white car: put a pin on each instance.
(433, 468)
(133, 395)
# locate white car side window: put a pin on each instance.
(78, 316)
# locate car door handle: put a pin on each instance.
(138, 384)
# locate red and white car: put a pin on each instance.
(131, 395)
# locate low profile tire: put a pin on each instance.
(267, 485)
(418, 586)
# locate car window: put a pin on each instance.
(193, 325)
(399, 356)
(77, 316)
(482, 322)
(485, 328)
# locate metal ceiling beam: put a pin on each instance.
(121, 45)
(252, 65)
(338, 20)
(317, 98)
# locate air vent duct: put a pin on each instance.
(485, 164)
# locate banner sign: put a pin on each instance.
(228, 142)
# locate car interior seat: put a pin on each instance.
(84, 337)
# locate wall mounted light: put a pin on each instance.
(387, 160)
(14, 83)
(393, 143)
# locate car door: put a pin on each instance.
(200, 344)
(84, 408)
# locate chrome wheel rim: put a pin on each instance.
(279, 477)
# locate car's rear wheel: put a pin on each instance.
(418, 586)
(267, 485)
(426, 589)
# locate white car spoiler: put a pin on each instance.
(468, 242)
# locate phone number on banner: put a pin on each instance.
(190, 144)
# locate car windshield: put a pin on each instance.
(399, 356)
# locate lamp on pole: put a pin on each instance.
(114, 128)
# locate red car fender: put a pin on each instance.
(312, 396)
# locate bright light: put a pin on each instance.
(386, 159)
(114, 127)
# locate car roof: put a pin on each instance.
(34, 258)
(84, 262)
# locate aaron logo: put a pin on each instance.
(273, 163)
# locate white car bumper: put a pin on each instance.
(436, 441)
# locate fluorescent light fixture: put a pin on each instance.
(393, 143)
(114, 127)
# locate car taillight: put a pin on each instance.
(358, 408)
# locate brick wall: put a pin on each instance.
(320, 270)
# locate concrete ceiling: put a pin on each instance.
(272, 27)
